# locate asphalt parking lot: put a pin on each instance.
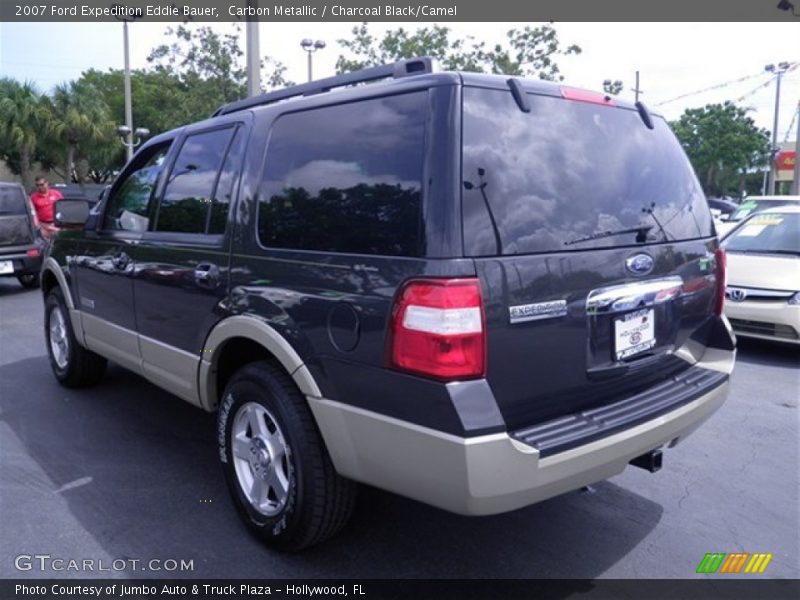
(126, 471)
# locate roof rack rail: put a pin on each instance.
(402, 68)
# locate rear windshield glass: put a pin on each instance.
(12, 202)
(769, 233)
(571, 175)
(752, 205)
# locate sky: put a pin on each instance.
(673, 58)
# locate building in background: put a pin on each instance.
(785, 161)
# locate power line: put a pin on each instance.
(791, 125)
(725, 84)
(713, 87)
(43, 65)
(766, 84)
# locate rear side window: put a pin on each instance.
(190, 190)
(569, 175)
(346, 178)
(12, 202)
(226, 186)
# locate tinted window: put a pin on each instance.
(127, 207)
(567, 174)
(346, 178)
(189, 191)
(227, 184)
(12, 202)
(768, 233)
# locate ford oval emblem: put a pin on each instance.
(639, 264)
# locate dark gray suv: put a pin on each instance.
(21, 245)
(474, 291)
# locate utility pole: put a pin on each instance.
(796, 182)
(253, 58)
(636, 89)
(773, 171)
(128, 101)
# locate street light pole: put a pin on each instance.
(253, 59)
(125, 17)
(311, 47)
(128, 101)
(773, 171)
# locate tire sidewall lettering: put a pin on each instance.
(277, 524)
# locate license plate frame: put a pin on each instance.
(6, 267)
(634, 333)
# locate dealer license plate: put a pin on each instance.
(634, 333)
(6, 266)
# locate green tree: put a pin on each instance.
(530, 51)
(723, 145)
(209, 68)
(158, 98)
(81, 120)
(24, 121)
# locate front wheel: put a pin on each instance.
(276, 466)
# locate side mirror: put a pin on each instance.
(71, 213)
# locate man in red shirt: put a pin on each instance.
(43, 200)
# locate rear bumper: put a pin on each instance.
(493, 473)
(23, 264)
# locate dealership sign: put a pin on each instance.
(786, 160)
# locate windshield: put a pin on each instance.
(771, 233)
(752, 205)
(12, 202)
(571, 175)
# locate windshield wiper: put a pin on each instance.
(640, 231)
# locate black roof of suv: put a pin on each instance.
(475, 291)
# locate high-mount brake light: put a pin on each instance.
(579, 95)
(438, 329)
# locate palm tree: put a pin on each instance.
(24, 121)
(81, 117)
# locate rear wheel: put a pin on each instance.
(276, 466)
(72, 364)
(29, 280)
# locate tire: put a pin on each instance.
(29, 280)
(72, 364)
(303, 501)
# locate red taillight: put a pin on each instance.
(586, 96)
(437, 329)
(33, 252)
(720, 271)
